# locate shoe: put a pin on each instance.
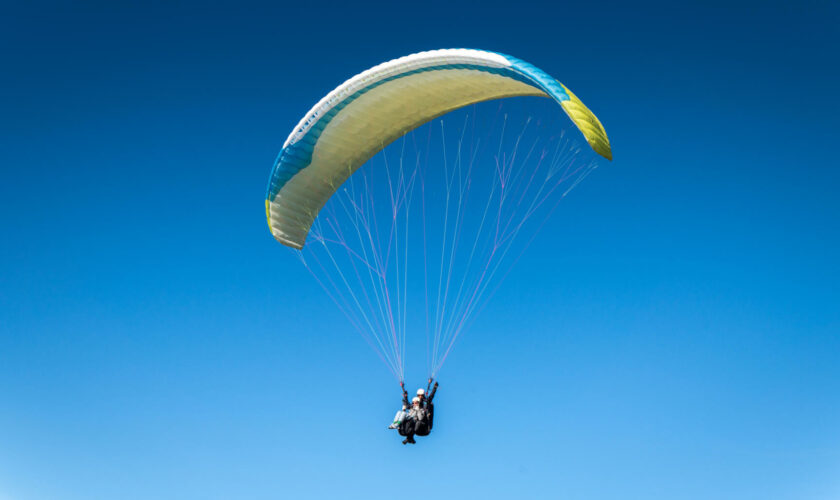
(405, 441)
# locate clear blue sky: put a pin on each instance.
(677, 336)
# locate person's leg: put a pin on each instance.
(406, 428)
(411, 429)
(398, 419)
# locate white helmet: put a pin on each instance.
(420, 392)
(415, 400)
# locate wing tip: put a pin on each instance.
(588, 124)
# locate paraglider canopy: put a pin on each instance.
(369, 111)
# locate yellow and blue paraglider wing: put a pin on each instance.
(372, 109)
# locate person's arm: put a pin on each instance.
(405, 395)
(432, 394)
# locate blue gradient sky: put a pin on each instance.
(675, 336)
